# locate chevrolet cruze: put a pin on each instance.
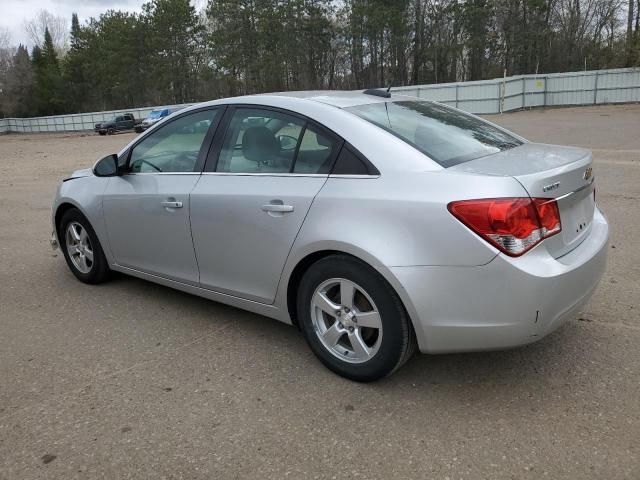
(377, 224)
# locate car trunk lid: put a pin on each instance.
(549, 171)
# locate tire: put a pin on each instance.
(85, 241)
(102, 132)
(111, 131)
(388, 339)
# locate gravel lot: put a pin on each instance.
(134, 380)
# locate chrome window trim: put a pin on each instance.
(266, 174)
(256, 174)
(348, 175)
(160, 173)
(286, 174)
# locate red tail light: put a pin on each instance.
(513, 225)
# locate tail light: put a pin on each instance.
(513, 225)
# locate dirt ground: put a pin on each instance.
(134, 380)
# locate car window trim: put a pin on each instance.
(206, 141)
(213, 156)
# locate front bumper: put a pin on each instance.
(505, 303)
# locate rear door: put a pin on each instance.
(146, 210)
(250, 203)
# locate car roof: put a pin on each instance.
(335, 98)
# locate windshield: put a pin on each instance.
(446, 135)
(155, 114)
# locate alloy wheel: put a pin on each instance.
(79, 247)
(346, 320)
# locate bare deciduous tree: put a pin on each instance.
(58, 28)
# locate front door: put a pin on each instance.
(246, 212)
(146, 210)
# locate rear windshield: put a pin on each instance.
(446, 135)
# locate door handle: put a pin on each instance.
(170, 204)
(275, 207)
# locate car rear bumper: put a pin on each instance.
(505, 303)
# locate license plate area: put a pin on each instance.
(576, 215)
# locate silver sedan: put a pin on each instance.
(377, 224)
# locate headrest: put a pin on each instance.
(259, 143)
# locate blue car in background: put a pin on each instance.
(154, 117)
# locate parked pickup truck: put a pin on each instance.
(154, 117)
(118, 123)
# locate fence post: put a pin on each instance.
(595, 91)
(457, 86)
(546, 79)
(524, 93)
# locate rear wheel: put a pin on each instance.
(81, 248)
(353, 320)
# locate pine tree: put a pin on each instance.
(47, 94)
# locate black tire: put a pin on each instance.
(111, 131)
(99, 270)
(398, 341)
(102, 132)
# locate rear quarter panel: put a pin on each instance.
(402, 219)
(397, 220)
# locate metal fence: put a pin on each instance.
(485, 96)
(524, 91)
(72, 122)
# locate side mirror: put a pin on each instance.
(107, 166)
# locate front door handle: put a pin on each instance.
(171, 204)
(278, 208)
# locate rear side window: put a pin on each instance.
(268, 141)
(315, 153)
(446, 135)
(260, 141)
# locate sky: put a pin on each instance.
(13, 13)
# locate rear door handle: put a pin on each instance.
(275, 207)
(170, 204)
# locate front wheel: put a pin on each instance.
(353, 320)
(81, 248)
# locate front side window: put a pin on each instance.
(446, 135)
(260, 141)
(174, 147)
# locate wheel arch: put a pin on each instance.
(61, 209)
(64, 205)
(309, 258)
